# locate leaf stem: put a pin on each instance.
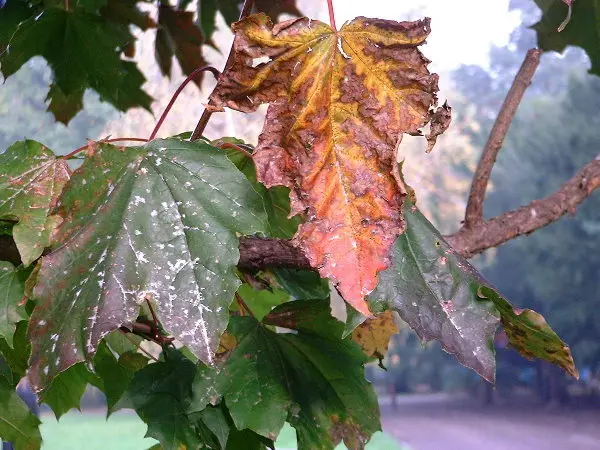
(225, 145)
(83, 147)
(242, 303)
(189, 78)
(206, 114)
(154, 318)
(138, 347)
(331, 15)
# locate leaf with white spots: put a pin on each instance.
(317, 384)
(442, 297)
(31, 179)
(12, 288)
(161, 220)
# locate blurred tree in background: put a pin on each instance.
(556, 131)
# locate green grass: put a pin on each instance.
(125, 431)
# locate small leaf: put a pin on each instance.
(64, 107)
(529, 333)
(115, 374)
(161, 394)
(374, 334)
(261, 302)
(340, 102)
(302, 284)
(178, 35)
(583, 29)
(161, 220)
(17, 356)
(12, 288)
(31, 179)
(316, 383)
(442, 297)
(17, 424)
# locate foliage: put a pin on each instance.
(580, 28)
(352, 218)
(64, 32)
(140, 244)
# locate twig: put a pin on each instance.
(474, 211)
(331, 14)
(206, 114)
(259, 253)
(240, 149)
(537, 214)
(84, 147)
(189, 78)
(154, 318)
(243, 304)
(138, 347)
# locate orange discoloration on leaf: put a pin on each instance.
(340, 103)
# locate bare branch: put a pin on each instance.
(535, 215)
(474, 211)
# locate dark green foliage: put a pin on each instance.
(84, 43)
(582, 30)
(163, 228)
(62, 37)
(66, 389)
(17, 424)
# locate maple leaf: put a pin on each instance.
(374, 334)
(161, 220)
(178, 35)
(340, 102)
(31, 179)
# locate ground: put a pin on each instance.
(435, 422)
(420, 422)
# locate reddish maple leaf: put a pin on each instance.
(340, 102)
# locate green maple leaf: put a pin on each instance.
(316, 383)
(158, 222)
(17, 424)
(12, 288)
(442, 297)
(83, 51)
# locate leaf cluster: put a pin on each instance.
(128, 277)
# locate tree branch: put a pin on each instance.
(474, 211)
(537, 214)
(259, 253)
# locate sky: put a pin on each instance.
(462, 30)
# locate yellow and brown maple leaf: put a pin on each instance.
(339, 104)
